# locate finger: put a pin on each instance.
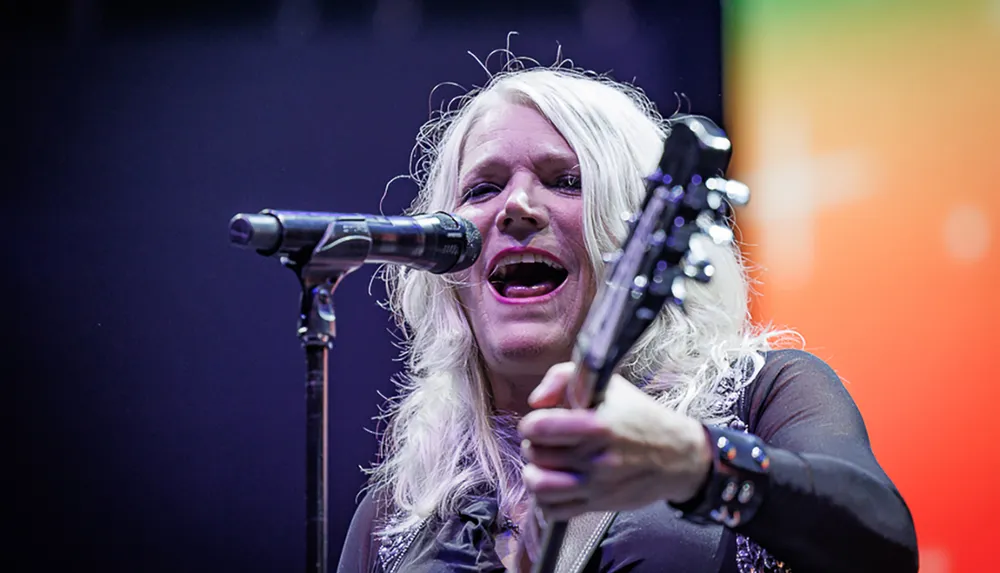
(568, 458)
(558, 427)
(551, 391)
(549, 486)
(616, 473)
(609, 460)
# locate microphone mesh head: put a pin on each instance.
(455, 251)
(473, 245)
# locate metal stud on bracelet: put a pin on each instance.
(737, 483)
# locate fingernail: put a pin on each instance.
(530, 474)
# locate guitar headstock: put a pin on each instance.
(687, 196)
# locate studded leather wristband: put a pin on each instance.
(737, 483)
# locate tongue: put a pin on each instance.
(528, 291)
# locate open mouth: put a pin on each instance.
(526, 275)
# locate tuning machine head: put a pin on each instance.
(736, 193)
(699, 270)
(678, 291)
(719, 233)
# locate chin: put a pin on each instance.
(533, 351)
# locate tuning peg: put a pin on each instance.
(718, 233)
(696, 263)
(639, 284)
(714, 202)
(678, 291)
(700, 270)
(735, 192)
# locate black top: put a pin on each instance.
(829, 506)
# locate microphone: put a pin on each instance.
(437, 242)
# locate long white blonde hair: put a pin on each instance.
(443, 438)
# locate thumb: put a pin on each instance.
(551, 391)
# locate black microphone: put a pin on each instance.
(437, 242)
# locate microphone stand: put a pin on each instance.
(320, 272)
(346, 244)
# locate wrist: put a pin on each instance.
(701, 455)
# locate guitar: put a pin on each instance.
(687, 196)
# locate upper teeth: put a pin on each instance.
(507, 261)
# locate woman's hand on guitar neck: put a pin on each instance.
(630, 452)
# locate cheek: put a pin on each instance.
(567, 218)
(465, 294)
(471, 309)
(470, 301)
(476, 215)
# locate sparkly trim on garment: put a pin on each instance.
(732, 389)
(509, 525)
(750, 557)
(394, 546)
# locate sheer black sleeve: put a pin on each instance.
(830, 506)
(358, 554)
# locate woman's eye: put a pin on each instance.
(569, 181)
(479, 191)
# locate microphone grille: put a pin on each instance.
(469, 248)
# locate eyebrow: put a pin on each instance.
(492, 163)
(555, 157)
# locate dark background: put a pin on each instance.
(156, 377)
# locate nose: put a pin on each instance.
(521, 216)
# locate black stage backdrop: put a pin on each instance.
(157, 382)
